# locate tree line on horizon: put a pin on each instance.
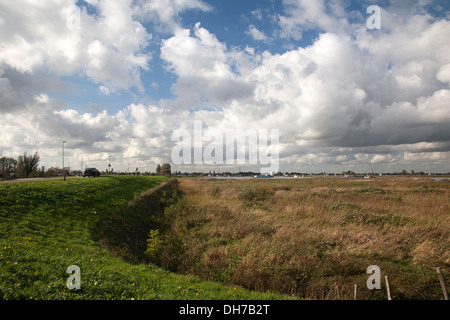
(22, 167)
(164, 170)
(26, 165)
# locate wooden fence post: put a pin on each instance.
(441, 279)
(387, 288)
(355, 291)
(337, 291)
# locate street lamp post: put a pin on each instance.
(64, 171)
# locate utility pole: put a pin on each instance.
(64, 171)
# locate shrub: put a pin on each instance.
(155, 245)
(165, 250)
(257, 194)
(216, 192)
(374, 218)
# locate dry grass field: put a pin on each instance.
(312, 238)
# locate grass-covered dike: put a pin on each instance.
(98, 224)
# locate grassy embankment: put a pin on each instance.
(312, 238)
(46, 226)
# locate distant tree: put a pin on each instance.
(51, 172)
(404, 172)
(166, 169)
(158, 170)
(7, 166)
(27, 164)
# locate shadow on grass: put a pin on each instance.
(126, 231)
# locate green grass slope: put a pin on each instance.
(47, 226)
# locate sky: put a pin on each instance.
(117, 79)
